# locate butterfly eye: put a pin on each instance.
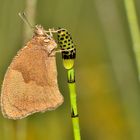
(46, 40)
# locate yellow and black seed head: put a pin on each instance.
(68, 48)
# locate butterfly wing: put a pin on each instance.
(30, 84)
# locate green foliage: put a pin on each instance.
(105, 68)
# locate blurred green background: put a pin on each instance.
(106, 72)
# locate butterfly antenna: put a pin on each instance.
(25, 19)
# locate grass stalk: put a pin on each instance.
(30, 10)
(68, 55)
(21, 125)
(134, 30)
(73, 101)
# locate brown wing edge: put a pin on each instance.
(28, 113)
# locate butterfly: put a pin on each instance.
(30, 83)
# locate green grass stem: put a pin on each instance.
(134, 29)
(73, 101)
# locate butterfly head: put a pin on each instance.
(39, 31)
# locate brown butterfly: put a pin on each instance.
(30, 83)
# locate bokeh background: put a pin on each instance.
(108, 88)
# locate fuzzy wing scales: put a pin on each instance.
(30, 84)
